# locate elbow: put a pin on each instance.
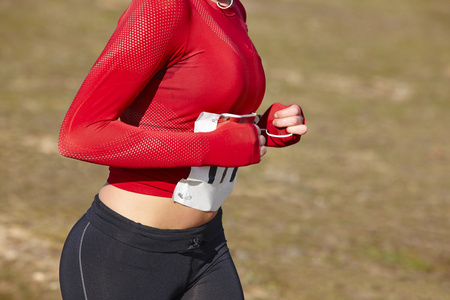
(70, 140)
(63, 145)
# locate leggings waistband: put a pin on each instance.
(149, 238)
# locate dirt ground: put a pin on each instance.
(359, 210)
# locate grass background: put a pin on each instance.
(359, 210)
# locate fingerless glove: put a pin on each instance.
(276, 136)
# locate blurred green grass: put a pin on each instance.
(359, 210)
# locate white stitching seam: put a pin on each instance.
(79, 260)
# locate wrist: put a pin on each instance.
(233, 145)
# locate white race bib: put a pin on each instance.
(207, 188)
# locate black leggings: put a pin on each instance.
(107, 257)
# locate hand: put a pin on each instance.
(262, 142)
(291, 118)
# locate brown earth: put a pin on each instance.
(359, 210)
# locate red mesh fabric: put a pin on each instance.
(166, 62)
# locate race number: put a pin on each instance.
(207, 187)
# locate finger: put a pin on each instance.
(259, 129)
(262, 140)
(288, 121)
(298, 129)
(293, 110)
(262, 151)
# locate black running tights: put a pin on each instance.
(108, 257)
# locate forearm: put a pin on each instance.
(121, 145)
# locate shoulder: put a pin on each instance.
(151, 17)
(163, 10)
(165, 5)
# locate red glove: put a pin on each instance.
(276, 136)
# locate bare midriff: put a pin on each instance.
(158, 212)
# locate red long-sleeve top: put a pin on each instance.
(166, 62)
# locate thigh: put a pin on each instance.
(219, 282)
(96, 266)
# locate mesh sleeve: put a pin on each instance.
(147, 37)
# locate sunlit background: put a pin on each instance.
(360, 209)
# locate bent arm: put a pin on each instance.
(147, 38)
